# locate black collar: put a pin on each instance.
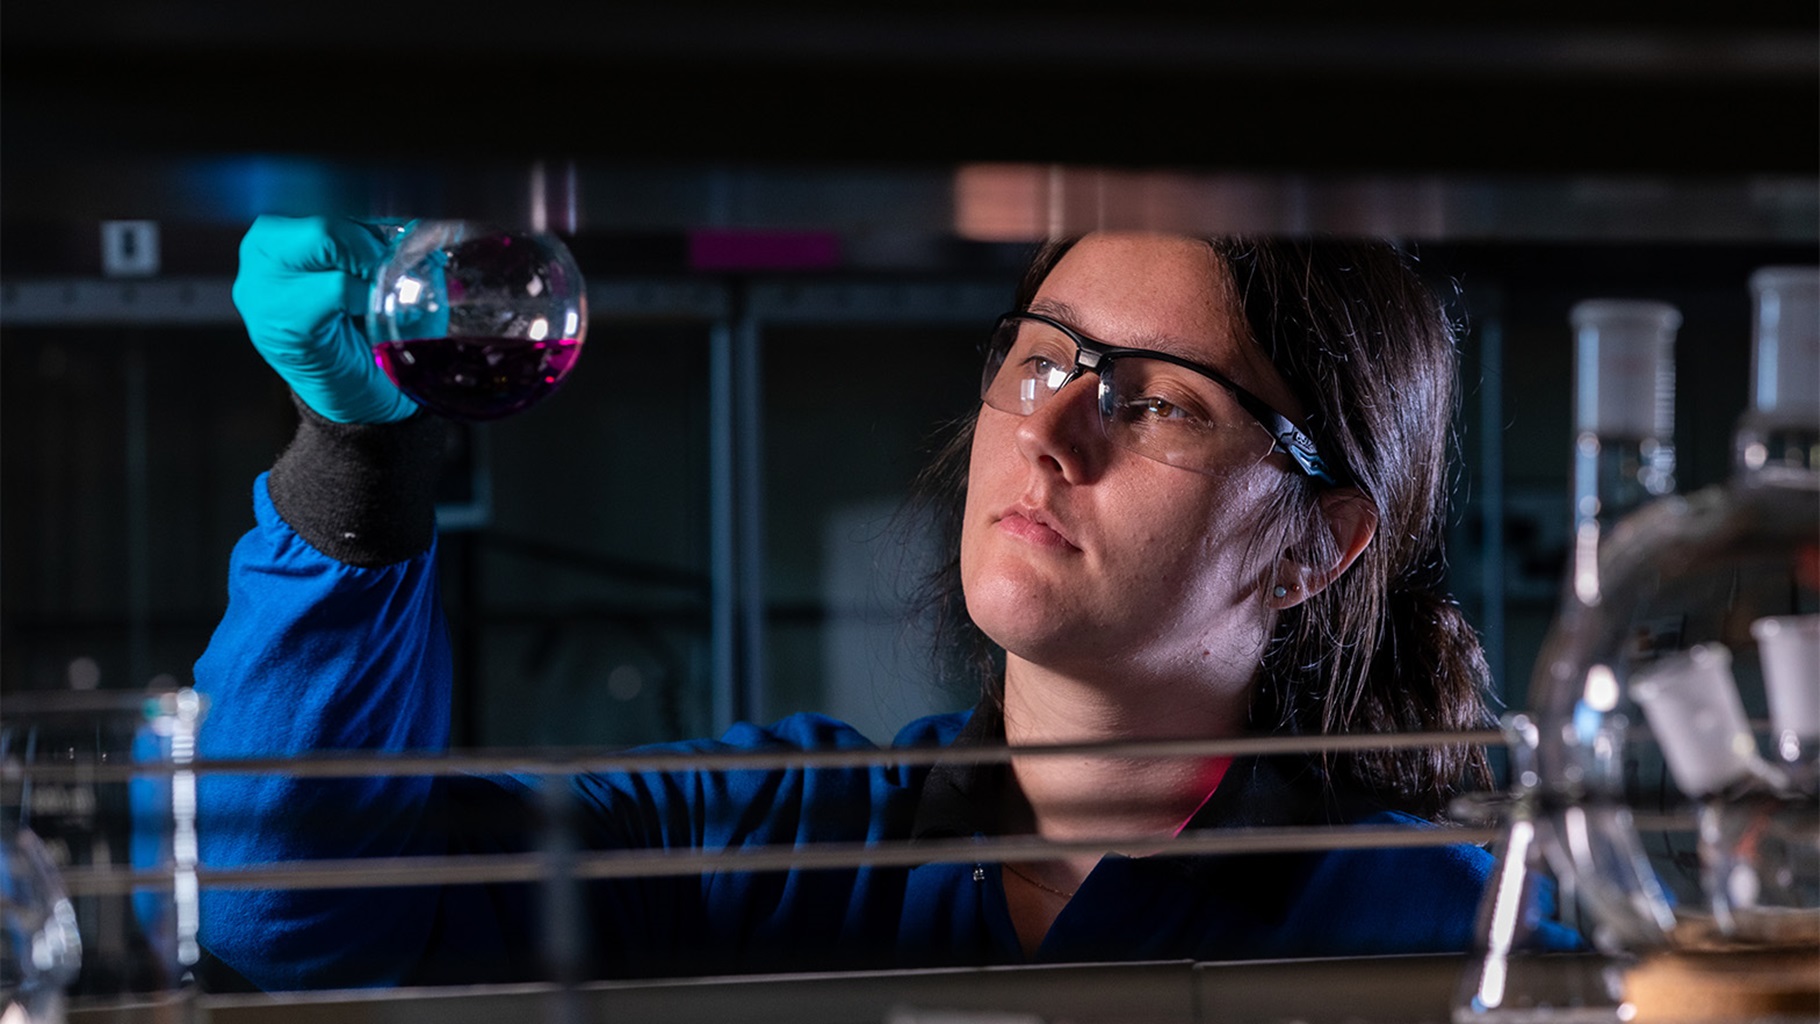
(962, 800)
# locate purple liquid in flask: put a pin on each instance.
(477, 378)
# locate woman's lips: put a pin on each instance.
(1033, 526)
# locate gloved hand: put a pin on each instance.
(302, 291)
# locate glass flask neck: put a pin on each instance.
(1624, 415)
(1779, 438)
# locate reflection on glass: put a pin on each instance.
(461, 317)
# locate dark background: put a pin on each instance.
(1291, 86)
(1531, 156)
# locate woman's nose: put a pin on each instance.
(1065, 431)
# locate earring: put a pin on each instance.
(1280, 592)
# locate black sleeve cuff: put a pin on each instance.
(364, 494)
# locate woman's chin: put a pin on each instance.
(1037, 632)
(1017, 601)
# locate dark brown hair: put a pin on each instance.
(1369, 351)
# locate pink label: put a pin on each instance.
(728, 249)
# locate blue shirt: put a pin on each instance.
(315, 655)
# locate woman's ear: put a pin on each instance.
(1353, 521)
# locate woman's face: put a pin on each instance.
(1086, 557)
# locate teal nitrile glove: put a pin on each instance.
(302, 291)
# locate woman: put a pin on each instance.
(1201, 498)
(1240, 591)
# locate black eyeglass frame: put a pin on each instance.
(1091, 355)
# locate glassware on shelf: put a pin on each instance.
(1623, 458)
(1529, 965)
(477, 322)
(97, 792)
(40, 947)
(1676, 710)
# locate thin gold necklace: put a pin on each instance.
(1067, 895)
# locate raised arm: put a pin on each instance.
(333, 637)
(334, 640)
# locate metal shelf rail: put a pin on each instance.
(1175, 992)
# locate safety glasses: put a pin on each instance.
(1155, 404)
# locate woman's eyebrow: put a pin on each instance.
(1067, 314)
(1057, 309)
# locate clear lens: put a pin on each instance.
(1176, 416)
(1028, 362)
(1149, 406)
